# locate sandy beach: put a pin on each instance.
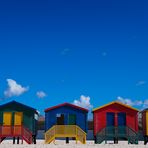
(72, 144)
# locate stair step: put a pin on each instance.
(65, 131)
(50, 140)
(119, 132)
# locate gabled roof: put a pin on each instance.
(65, 104)
(115, 102)
(19, 104)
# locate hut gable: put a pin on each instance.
(66, 105)
(17, 106)
(118, 106)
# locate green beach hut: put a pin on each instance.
(18, 121)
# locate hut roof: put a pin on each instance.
(116, 102)
(66, 104)
(19, 104)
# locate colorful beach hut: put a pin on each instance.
(66, 121)
(18, 121)
(115, 121)
(145, 125)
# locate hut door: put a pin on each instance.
(110, 119)
(18, 118)
(7, 118)
(121, 119)
(72, 119)
(60, 119)
(121, 123)
(110, 123)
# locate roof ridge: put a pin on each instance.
(64, 104)
(13, 101)
(120, 103)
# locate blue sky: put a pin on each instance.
(92, 52)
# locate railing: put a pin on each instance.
(27, 135)
(131, 132)
(6, 131)
(16, 131)
(117, 132)
(50, 135)
(65, 130)
(100, 137)
(81, 135)
(132, 136)
(58, 131)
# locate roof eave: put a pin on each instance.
(127, 106)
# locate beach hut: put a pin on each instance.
(66, 121)
(18, 121)
(115, 121)
(145, 125)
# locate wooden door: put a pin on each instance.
(110, 123)
(72, 119)
(121, 119)
(121, 123)
(18, 118)
(7, 122)
(7, 118)
(110, 119)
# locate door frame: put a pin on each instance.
(61, 114)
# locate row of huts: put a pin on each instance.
(114, 121)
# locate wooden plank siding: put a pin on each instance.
(67, 110)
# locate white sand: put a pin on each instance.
(72, 144)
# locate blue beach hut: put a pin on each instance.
(66, 121)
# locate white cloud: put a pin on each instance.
(83, 102)
(125, 101)
(142, 104)
(65, 51)
(41, 94)
(140, 83)
(128, 101)
(145, 103)
(14, 89)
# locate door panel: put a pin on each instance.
(121, 119)
(110, 129)
(18, 118)
(110, 119)
(72, 119)
(121, 123)
(7, 118)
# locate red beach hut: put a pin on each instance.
(115, 121)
